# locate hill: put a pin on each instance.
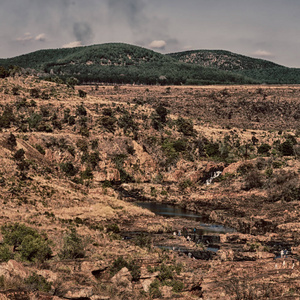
(261, 70)
(120, 63)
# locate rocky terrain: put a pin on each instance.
(75, 160)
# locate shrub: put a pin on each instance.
(82, 93)
(185, 184)
(81, 111)
(245, 168)
(185, 126)
(73, 246)
(121, 263)
(253, 180)
(113, 228)
(14, 234)
(212, 149)
(34, 93)
(68, 168)
(264, 149)
(154, 289)
(108, 123)
(38, 282)
(87, 173)
(180, 145)
(177, 285)
(34, 120)
(117, 265)
(40, 149)
(5, 253)
(162, 113)
(35, 248)
(7, 117)
(126, 122)
(286, 148)
(143, 240)
(82, 145)
(32, 245)
(12, 141)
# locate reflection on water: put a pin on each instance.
(168, 210)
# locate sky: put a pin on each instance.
(267, 29)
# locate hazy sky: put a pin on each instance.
(268, 29)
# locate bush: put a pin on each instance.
(108, 123)
(113, 228)
(81, 111)
(73, 246)
(68, 168)
(121, 263)
(35, 248)
(253, 180)
(264, 149)
(185, 126)
(32, 245)
(40, 149)
(286, 148)
(35, 93)
(180, 145)
(212, 149)
(38, 282)
(5, 253)
(87, 173)
(143, 240)
(14, 234)
(162, 113)
(82, 93)
(12, 141)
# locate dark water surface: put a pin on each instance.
(168, 210)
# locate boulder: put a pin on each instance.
(166, 291)
(123, 280)
(225, 255)
(79, 292)
(13, 268)
(146, 283)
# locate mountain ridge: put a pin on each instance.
(125, 63)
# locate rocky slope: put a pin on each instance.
(74, 160)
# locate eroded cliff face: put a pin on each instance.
(229, 153)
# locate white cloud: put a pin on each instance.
(263, 53)
(73, 44)
(158, 44)
(25, 38)
(40, 37)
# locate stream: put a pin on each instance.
(171, 211)
(203, 233)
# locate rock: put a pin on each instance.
(97, 297)
(225, 255)
(166, 291)
(13, 268)
(123, 279)
(146, 284)
(145, 274)
(79, 292)
(17, 268)
(48, 275)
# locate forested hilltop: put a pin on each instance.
(124, 63)
(260, 70)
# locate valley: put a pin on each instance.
(75, 160)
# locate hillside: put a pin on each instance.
(258, 69)
(75, 161)
(119, 63)
(223, 60)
